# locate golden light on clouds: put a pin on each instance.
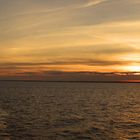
(76, 35)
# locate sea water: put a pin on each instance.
(69, 111)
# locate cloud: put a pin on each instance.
(86, 62)
(93, 2)
(71, 76)
(29, 18)
(68, 35)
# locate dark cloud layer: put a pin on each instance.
(67, 62)
(73, 76)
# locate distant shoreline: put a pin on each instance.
(123, 81)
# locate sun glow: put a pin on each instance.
(133, 68)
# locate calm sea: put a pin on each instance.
(69, 111)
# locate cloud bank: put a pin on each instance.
(69, 36)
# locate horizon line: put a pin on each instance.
(75, 81)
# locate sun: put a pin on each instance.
(133, 68)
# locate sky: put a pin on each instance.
(69, 39)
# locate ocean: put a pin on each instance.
(69, 111)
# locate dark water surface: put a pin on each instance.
(69, 111)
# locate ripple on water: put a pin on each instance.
(69, 111)
(69, 121)
(3, 125)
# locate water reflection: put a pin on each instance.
(67, 111)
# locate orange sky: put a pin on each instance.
(69, 36)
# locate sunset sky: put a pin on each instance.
(40, 38)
